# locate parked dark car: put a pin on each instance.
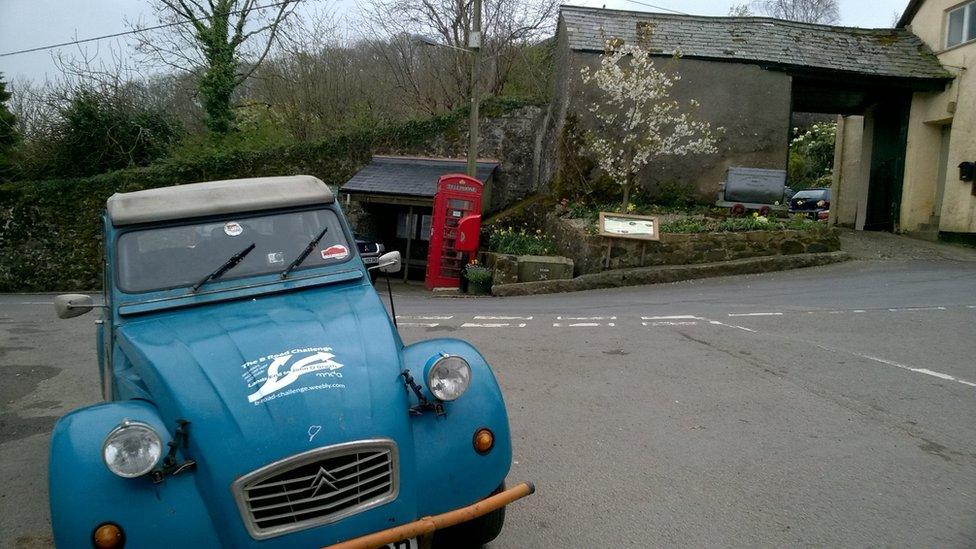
(370, 252)
(814, 203)
(788, 194)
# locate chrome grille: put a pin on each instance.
(318, 487)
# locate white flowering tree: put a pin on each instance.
(637, 121)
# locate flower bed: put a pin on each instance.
(687, 242)
(688, 218)
(520, 241)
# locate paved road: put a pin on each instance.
(828, 406)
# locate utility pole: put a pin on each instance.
(474, 45)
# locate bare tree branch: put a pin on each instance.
(442, 77)
(226, 35)
(825, 12)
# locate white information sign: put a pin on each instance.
(637, 227)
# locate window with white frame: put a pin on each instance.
(961, 24)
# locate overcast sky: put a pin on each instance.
(31, 23)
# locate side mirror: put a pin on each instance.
(388, 262)
(72, 305)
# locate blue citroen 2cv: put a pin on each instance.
(259, 394)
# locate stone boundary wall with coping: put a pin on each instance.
(512, 269)
(589, 252)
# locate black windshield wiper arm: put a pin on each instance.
(228, 265)
(301, 257)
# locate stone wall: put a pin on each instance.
(510, 269)
(751, 103)
(589, 252)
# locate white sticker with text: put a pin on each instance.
(270, 375)
(233, 228)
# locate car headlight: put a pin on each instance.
(132, 449)
(448, 376)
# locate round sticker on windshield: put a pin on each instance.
(335, 252)
(233, 228)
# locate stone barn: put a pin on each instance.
(750, 75)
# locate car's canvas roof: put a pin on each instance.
(217, 197)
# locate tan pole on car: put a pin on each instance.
(428, 525)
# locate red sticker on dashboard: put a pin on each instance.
(335, 252)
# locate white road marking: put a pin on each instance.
(424, 317)
(32, 303)
(925, 371)
(586, 318)
(755, 314)
(583, 324)
(717, 323)
(971, 306)
(687, 320)
(858, 311)
(908, 309)
(417, 324)
(481, 317)
(492, 325)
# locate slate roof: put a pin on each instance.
(405, 176)
(873, 52)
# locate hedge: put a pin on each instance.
(50, 231)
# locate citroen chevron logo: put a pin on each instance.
(322, 478)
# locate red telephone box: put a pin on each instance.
(458, 196)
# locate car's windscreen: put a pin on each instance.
(175, 256)
(819, 195)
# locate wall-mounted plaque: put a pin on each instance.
(637, 227)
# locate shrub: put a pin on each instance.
(685, 225)
(97, 133)
(757, 222)
(581, 209)
(520, 242)
(811, 160)
(752, 223)
(675, 195)
(8, 132)
(802, 222)
(50, 232)
(476, 274)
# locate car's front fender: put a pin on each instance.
(450, 473)
(84, 493)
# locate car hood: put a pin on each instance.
(265, 378)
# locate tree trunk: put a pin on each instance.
(626, 196)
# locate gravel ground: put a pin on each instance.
(878, 246)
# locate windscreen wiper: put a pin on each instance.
(228, 265)
(301, 257)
